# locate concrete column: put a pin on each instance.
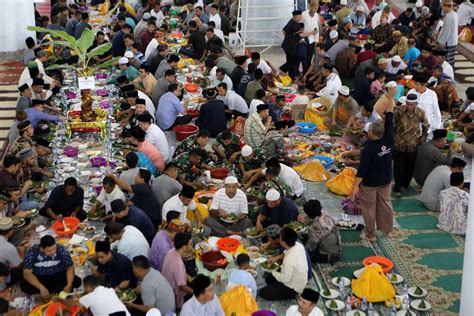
(467, 289)
(15, 17)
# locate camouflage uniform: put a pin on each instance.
(20, 144)
(258, 160)
(184, 168)
(274, 144)
(383, 34)
(188, 144)
(233, 146)
(278, 185)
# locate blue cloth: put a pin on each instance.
(358, 20)
(130, 22)
(412, 54)
(244, 81)
(138, 219)
(117, 270)
(80, 27)
(204, 18)
(242, 277)
(282, 214)
(212, 117)
(35, 116)
(42, 265)
(118, 45)
(145, 162)
(169, 107)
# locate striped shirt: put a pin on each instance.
(236, 205)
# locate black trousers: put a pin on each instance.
(403, 167)
(81, 215)
(181, 120)
(290, 65)
(54, 283)
(310, 53)
(275, 291)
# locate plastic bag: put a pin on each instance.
(285, 80)
(465, 35)
(351, 207)
(238, 301)
(238, 126)
(313, 171)
(373, 284)
(342, 183)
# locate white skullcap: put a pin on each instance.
(360, 9)
(272, 195)
(128, 54)
(343, 2)
(391, 84)
(123, 60)
(246, 151)
(333, 34)
(153, 312)
(344, 90)
(419, 4)
(396, 59)
(366, 127)
(403, 100)
(231, 180)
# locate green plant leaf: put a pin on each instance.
(86, 40)
(57, 66)
(107, 64)
(60, 43)
(99, 50)
(55, 33)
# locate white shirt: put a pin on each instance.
(294, 269)
(175, 204)
(253, 105)
(291, 178)
(216, 19)
(263, 66)
(215, 81)
(293, 311)
(376, 19)
(148, 103)
(150, 50)
(103, 301)
(132, 243)
(156, 136)
(448, 69)
(159, 17)
(105, 198)
(25, 78)
(394, 70)
(311, 23)
(465, 13)
(234, 102)
(46, 78)
(236, 205)
(428, 102)
(333, 84)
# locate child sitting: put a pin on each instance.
(241, 276)
(356, 123)
(376, 88)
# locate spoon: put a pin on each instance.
(66, 229)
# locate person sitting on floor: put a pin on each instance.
(112, 268)
(181, 203)
(227, 146)
(127, 240)
(191, 168)
(163, 241)
(212, 116)
(272, 181)
(273, 144)
(324, 241)
(25, 138)
(197, 141)
(155, 290)
(241, 276)
(453, 206)
(251, 163)
(65, 200)
(48, 268)
(146, 147)
(229, 200)
(110, 192)
(306, 304)
(437, 181)
(293, 275)
(276, 210)
(204, 302)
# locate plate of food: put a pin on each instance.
(18, 222)
(417, 291)
(269, 252)
(252, 232)
(296, 226)
(197, 230)
(32, 212)
(330, 294)
(269, 267)
(97, 214)
(230, 218)
(420, 305)
(336, 280)
(355, 313)
(405, 313)
(127, 296)
(395, 278)
(335, 305)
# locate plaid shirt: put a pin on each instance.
(254, 130)
(407, 128)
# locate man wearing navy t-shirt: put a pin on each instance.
(374, 177)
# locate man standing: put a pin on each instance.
(229, 200)
(448, 35)
(374, 177)
(312, 22)
(408, 135)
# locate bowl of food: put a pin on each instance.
(219, 173)
(269, 267)
(66, 227)
(269, 252)
(230, 218)
(306, 127)
(296, 226)
(71, 151)
(18, 222)
(191, 87)
(213, 260)
(97, 214)
(55, 309)
(252, 232)
(127, 296)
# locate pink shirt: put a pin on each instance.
(154, 154)
(376, 87)
(175, 272)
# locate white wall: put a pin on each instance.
(15, 17)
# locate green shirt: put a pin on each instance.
(131, 73)
(184, 168)
(233, 147)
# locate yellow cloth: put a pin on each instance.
(313, 171)
(38, 310)
(373, 284)
(342, 183)
(130, 9)
(238, 301)
(185, 62)
(317, 116)
(202, 209)
(285, 80)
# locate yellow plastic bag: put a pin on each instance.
(313, 171)
(342, 183)
(104, 8)
(238, 301)
(465, 35)
(285, 80)
(373, 284)
(318, 115)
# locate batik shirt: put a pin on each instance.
(257, 161)
(453, 205)
(407, 128)
(324, 236)
(20, 144)
(274, 144)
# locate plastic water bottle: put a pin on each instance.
(370, 310)
(363, 306)
(406, 303)
(342, 290)
(348, 303)
(405, 290)
(393, 312)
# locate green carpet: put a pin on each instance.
(424, 255)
